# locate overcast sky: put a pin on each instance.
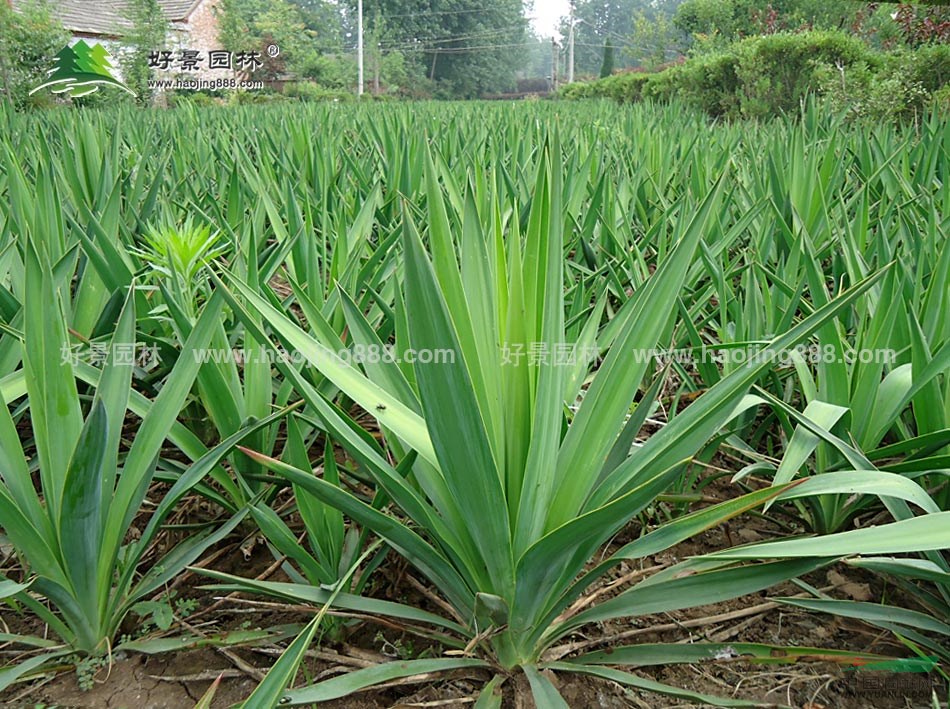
(547, 16)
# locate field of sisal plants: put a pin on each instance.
(471, 395)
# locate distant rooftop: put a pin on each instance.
(108, 17)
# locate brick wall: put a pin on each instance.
(201, 30)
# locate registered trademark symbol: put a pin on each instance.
(272, 50)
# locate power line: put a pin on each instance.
(487, 34)
(463, 50)
(431, 44)
(436, 12)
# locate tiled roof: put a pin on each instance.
(109, 17)
(177, 9)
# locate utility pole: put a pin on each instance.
(555, 60)
(359, 47)
(570, 47)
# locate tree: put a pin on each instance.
(538, 59)
(304, 31)
(594, 22)
(655, 40)
(148, 34)
(607, 68)
(467, 47)
(715, 23)
(29, 41)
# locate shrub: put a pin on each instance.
(331, 72)
(200, 99)
(29, 40)
(709, 82)
(577, 90)
(941, 98)
(241, 98)
(903, 86)
(623, 88)
(311, 91)
(626, 88)
(769, 75)
(776, 71)
(929, 65)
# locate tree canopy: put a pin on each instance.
(29, 41)
(466, 47)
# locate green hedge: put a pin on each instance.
(769, 75)
(901, 86)
(776, 71)
(624, 87)
(709, 82)
(928, 65)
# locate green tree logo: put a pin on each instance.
(80, 70)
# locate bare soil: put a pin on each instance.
(178, 680)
